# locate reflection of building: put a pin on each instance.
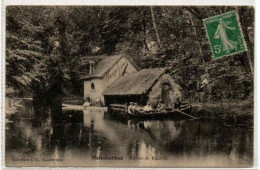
(117, 79)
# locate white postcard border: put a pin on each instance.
(5, 3)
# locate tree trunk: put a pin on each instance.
(55, 102)
(250, 50)
(221, 103)
(196, 35)
(56, 110)
(144, 39)
(39, 105)
(155, 28)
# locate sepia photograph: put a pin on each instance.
(129, 86)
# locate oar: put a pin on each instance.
(186, 114)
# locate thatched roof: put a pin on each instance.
(134, 83)
(102, 67)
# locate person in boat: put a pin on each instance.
(131, 108)
(87, 102)
(148, 108)
(160, 107)
(137, 108)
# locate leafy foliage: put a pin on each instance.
(45, 46)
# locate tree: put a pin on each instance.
(45, 46)
(155, 27)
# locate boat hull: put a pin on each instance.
(172, 114)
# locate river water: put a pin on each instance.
(90, 138)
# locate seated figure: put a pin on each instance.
(131, 108)
(160, 107)
(137, 107)
(87, 102)
(148, 107)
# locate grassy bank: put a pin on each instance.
(75, 100)
(232, 113)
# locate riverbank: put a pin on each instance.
(73, 100)
(232, 113)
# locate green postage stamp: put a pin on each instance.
(225, 35)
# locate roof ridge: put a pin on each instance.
(112, 65)
(103, 66)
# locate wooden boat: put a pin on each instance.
(121, 110)
(174, 113)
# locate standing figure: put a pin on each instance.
(221, 34)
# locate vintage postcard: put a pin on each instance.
(129, 86)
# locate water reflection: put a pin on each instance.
(88, 134)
